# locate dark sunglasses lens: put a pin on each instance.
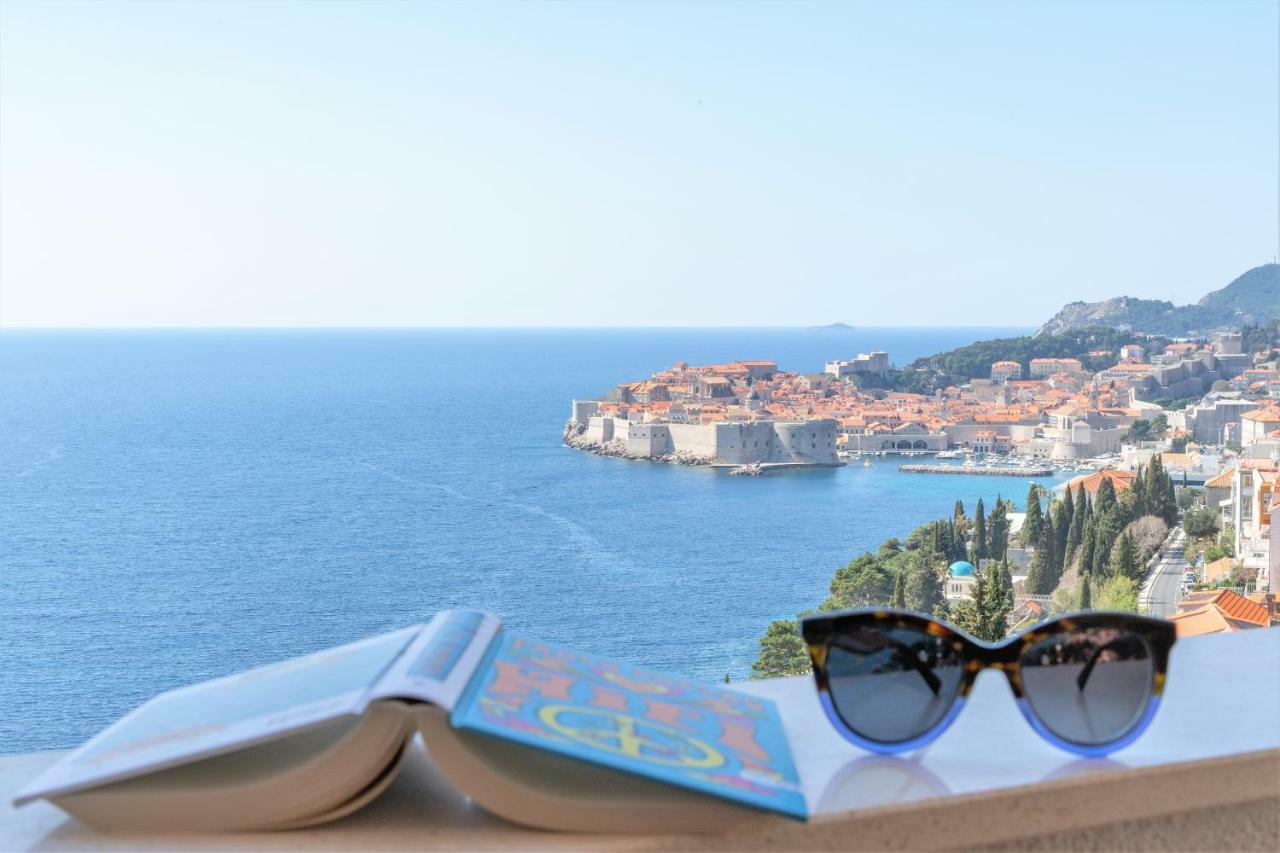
(1089, 686)
(889, 684)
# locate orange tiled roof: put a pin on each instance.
(1203, 620)
(1120, 480)
(1240, 609)
(1221, 481)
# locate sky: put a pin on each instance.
(612, 164)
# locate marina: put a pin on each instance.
(981, 470)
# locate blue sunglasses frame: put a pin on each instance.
(1158, 635)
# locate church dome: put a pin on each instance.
(961, 569)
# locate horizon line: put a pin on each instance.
(410, 328)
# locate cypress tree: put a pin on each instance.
(1106, 499)
(1068, 507)
(999, 530)
(899, 597)
(996, 604)
(1075, 535)
(1061, 529)
(922, 589)
(1124, 562)
(979, 533)
(1049, 541)
(1084, 597)
(1031, 524)
(1139, 488)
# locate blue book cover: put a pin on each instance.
(704, 738)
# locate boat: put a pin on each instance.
(866, 463)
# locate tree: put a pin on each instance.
(862, 583)
(782, 651)
(1031, 524)
(922, 589)
(996, 603)
(1040, 576)
(967, 616)
(899, 597)
(1200, 522)
(1118, 593)
(1124, 559)
(1106, 499)
(1158, 486)
(1061, 529)
(998, 526)
(979, 533)
(1084, 599)
(1075, 536)
(1138, 492)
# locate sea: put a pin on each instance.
(179, 505)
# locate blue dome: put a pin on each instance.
(960, 569)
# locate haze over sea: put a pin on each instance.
(179, 505)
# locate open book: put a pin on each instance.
(537, 734)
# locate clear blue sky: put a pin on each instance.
(901, 163)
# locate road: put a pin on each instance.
(1163, 589)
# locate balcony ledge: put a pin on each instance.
(1205, 776)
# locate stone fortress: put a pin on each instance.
(710, 415)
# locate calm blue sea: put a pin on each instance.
(179, 505)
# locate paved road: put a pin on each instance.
(1166, 581)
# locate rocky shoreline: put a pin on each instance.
(574, 437)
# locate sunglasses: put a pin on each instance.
(891, 681)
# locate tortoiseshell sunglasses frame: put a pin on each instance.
(977, 655)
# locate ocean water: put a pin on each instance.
(179, 505)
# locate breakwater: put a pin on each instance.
(981, 470)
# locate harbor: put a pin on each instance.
(981, 470)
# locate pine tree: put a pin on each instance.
(899, 597)
(1084, 598)
(979, 533)
(1031, 524)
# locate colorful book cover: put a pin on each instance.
(716, 741)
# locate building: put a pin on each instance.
(1257, 423)
(715, 443)
(1219, 612)
(1248, 515)
(1003, 371)
(1228, 343)
(1120, 481)
(961, 580)
(1208, 421)
(1043, 367)
(1133, 352)
(875, 363)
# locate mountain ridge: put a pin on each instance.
(1250, 298)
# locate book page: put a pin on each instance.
(438, 664)
(677, 731)
(227, 713)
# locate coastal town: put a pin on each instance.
(1204, 414)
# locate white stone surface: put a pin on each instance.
(989, 779)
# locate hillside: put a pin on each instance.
(958, 366)
(1253, 298)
